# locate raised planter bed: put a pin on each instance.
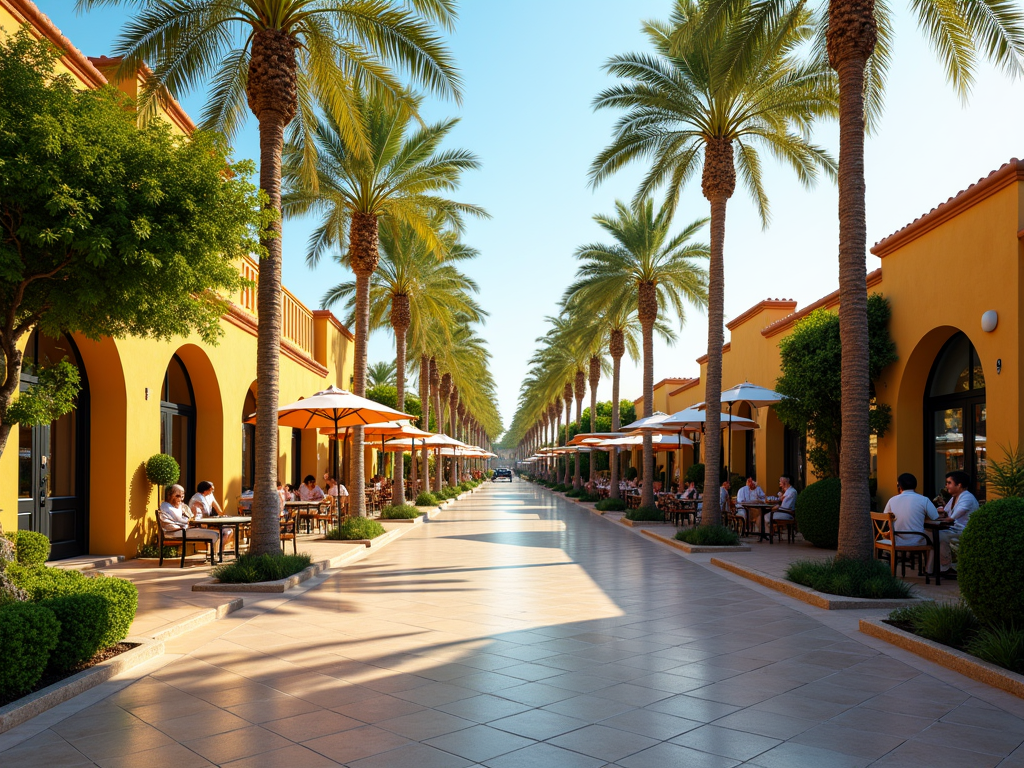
(943, 655)
(692, 549)
(280, 585)
(640, 523)
(808, 595)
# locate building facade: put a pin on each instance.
(955, 391)
(81, 480)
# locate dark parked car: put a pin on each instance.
(502, 473)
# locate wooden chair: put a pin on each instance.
(885, 544)
(290, 530)
(777, 528)
(324, 515)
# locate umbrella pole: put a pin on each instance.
(337, 499)
(729, 462)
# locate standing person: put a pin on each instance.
(958, 509)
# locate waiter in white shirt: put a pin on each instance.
(958, 509)
(750, 493)
(910, 509)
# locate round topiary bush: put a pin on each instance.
(990, 563)
(817, 513)
(162, 469)
(695, 474)
(30, 548)
(28, 632)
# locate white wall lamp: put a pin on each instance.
(989, 321)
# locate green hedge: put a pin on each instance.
(28, 633)
(427, 499)
(645, 514)
(84, 623)
(817, 513)
(403, 512)
(252, 569)
(354, 528)
(709, 536)
(990, 563)
(30, 548)
(611, 505)
(849, 578)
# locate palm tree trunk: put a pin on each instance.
(363, 255)
(568, 418)
(617, 348)
(271, 95)
(647, 312)
(400, 318)
(851, 40)
(595, 379)
(425, 424)
(453, 400)
(718, 184)
(579, 390)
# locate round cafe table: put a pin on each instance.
(219, 522)
(763, 508)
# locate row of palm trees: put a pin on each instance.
(724, 81)
(334, 118)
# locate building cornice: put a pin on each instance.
(690, 384)
(240, 318)
(787, 304)
(26, 12)
(874, 278)
(326, 313)
(704, 358)
(999, 179)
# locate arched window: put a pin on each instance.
(178, 421)
(955, 416)
(53, 458)
(248, 441)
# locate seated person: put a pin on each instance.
(284, 492)
(958, 509)
(725, 498)
(786, 507)
(910, 509)
(309, 490)
(203, 504)
(174, 518)
(690, 492)
(750, 493)
(334, 488)
(245, 502)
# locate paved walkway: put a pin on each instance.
(519, 631)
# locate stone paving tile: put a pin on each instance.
(457, 647)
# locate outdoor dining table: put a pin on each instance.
(763, 507)
(933, 527)
(219, 522)
(304, 510)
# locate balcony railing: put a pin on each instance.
(297, 321)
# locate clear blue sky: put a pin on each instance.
(531, 70)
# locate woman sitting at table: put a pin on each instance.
(309, 490)
(174, 519)
(203, 504)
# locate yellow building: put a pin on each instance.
(941, 274)
(81, 480)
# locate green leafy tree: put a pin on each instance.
(106, 229)
(401, 180)
(811, 358)
(711, 103)
(282, 58)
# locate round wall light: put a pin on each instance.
(989, 321)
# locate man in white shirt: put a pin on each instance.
(958, 509)
(786, 507)
(750, 493)
(910, 509)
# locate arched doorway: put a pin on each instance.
(955, 416)
(53, 458)
(248, 441)
(178, 421)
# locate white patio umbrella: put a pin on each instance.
(694, 418)
(334, 408)
(751, 394)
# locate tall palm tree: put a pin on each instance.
(381, 374)
(279, 57)
(410, 288)
(648, 268)
(400, 180)
(707, 105)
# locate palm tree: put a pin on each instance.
(410, 288)
(646, 268)
(715, 99)
(400, 180)
(279, 57)
(382, 374)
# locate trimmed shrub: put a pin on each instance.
(489, 473)
(849, 578)
(403, 512)
(646, 513)
(30, 548)
(162, 469)
(709, 536)
(28, 632)
(44, 583)
(354, 528)
(122, 602)
(250, 569)
(464, 486)
(695, 474)
(990, 563)
(84, 622)
(591, 497)
(817, 513)
(427, 499)
(1002, 646)
(947, 623)
(611, 505)
(152, 549)
(575, 493)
